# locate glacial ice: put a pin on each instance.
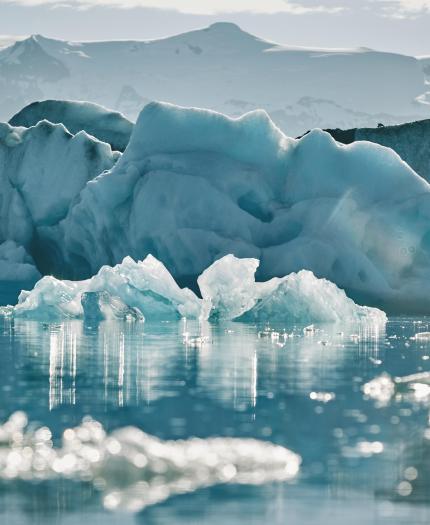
(229, 291)
(410, 141)
(137, 290)
(16, 264)
(146, 290)
(42, 171)
(194, 185)
(105, 125)
(151, 470)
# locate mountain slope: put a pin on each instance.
(224, 68)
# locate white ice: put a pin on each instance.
(194, 185)
(146, 290)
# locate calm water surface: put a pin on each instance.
(363, 461)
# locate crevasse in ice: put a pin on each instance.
(146, 290)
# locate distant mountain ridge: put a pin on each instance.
(411, 141)
(222, 68)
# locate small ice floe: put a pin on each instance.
(375, 361)
(278, 338)
(309, 330)
(134, 469)
(195, 341)
(322, 397)
(415, 387)
(380, 389)
(421, 336)
(363, 449)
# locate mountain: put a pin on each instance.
(223, 68)
(411, 141)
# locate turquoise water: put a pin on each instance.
(363, 461)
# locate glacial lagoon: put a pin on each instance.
(365, 452)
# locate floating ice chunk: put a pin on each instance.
(421, 336)
(302, 297)
(152, 470)
(383, 388)
(99, 306)
(229, 291)
(228, 287)
(143, 289)
(146, 288)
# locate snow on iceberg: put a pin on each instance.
(104, 124)
(146, 290)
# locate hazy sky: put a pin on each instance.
(392, 25)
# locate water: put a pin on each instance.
(363, 461)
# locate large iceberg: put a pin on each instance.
(194, 185)
(146, 290)
(106, 125)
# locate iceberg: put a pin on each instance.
(146, 290)
(194, 186)
(130, 290)
(105, 125)
(229, 291)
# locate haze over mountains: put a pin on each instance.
(222, 68)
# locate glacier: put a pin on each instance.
(145, 290)
(194, 185)
(105, 125)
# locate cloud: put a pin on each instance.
(198, 7)
(405, 8)
(386, 8)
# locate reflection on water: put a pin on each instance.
(363, 461)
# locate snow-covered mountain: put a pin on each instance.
(222, 68)
(194, 185)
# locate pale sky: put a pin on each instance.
(389, 25)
